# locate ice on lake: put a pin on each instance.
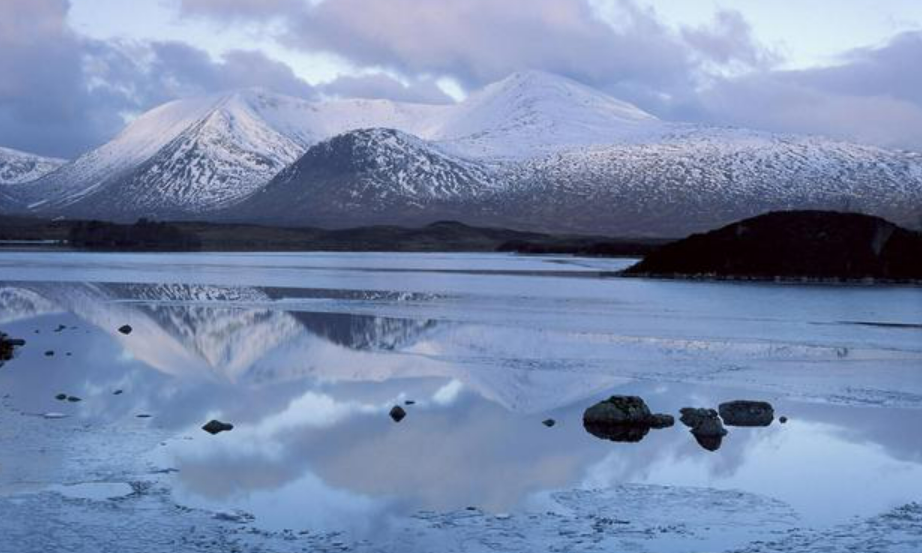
(306, 354)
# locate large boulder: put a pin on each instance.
(747, 413)
(625, 410)
(623, 419)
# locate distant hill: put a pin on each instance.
(793, 244)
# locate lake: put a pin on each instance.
(306, 354)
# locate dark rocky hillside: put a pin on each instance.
(794, 244)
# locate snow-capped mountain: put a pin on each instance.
(370, 175)
(532, 113)
(533, 151)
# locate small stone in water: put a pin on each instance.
(397, 413)
(216, 427)
(125, 329)
(549, 422)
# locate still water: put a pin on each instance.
(306, 354)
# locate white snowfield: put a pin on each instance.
(554, 144)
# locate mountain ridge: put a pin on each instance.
(534, 151)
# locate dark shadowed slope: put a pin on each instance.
(794, 244)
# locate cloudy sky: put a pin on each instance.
(73, 72)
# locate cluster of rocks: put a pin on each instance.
(65, 397)
(623, 419)
(707, 425)
(628, 419)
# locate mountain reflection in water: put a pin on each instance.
(308, 385)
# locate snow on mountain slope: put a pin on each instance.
(20, 167)
(368, 172)
(691, 179)
(532, 112)
(699, 178)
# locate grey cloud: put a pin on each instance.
(728, 40)
(479, 41)
(379, 85)
(872, 96)
(241, 9)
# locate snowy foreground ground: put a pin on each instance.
(305, 354)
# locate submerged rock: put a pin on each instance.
(747, 413)
(125, 329)
(49, 353)
(216, 427)
(60, 397)
(397, 413)
(73, 399)
(549, 422)
(783, 420)
(409, 402)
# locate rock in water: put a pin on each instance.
(397, 413)
(623, 419)
(691, 416)
(747, 413)
(7, 346)
(710, 443)
(783, 420)
(661, 420)
(125, 329)
(705, 427)
(624, 433)
(618, 410)
(549, 422)
(710, 427)
(60, 397)
(216, 427)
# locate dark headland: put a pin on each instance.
(793, 245)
